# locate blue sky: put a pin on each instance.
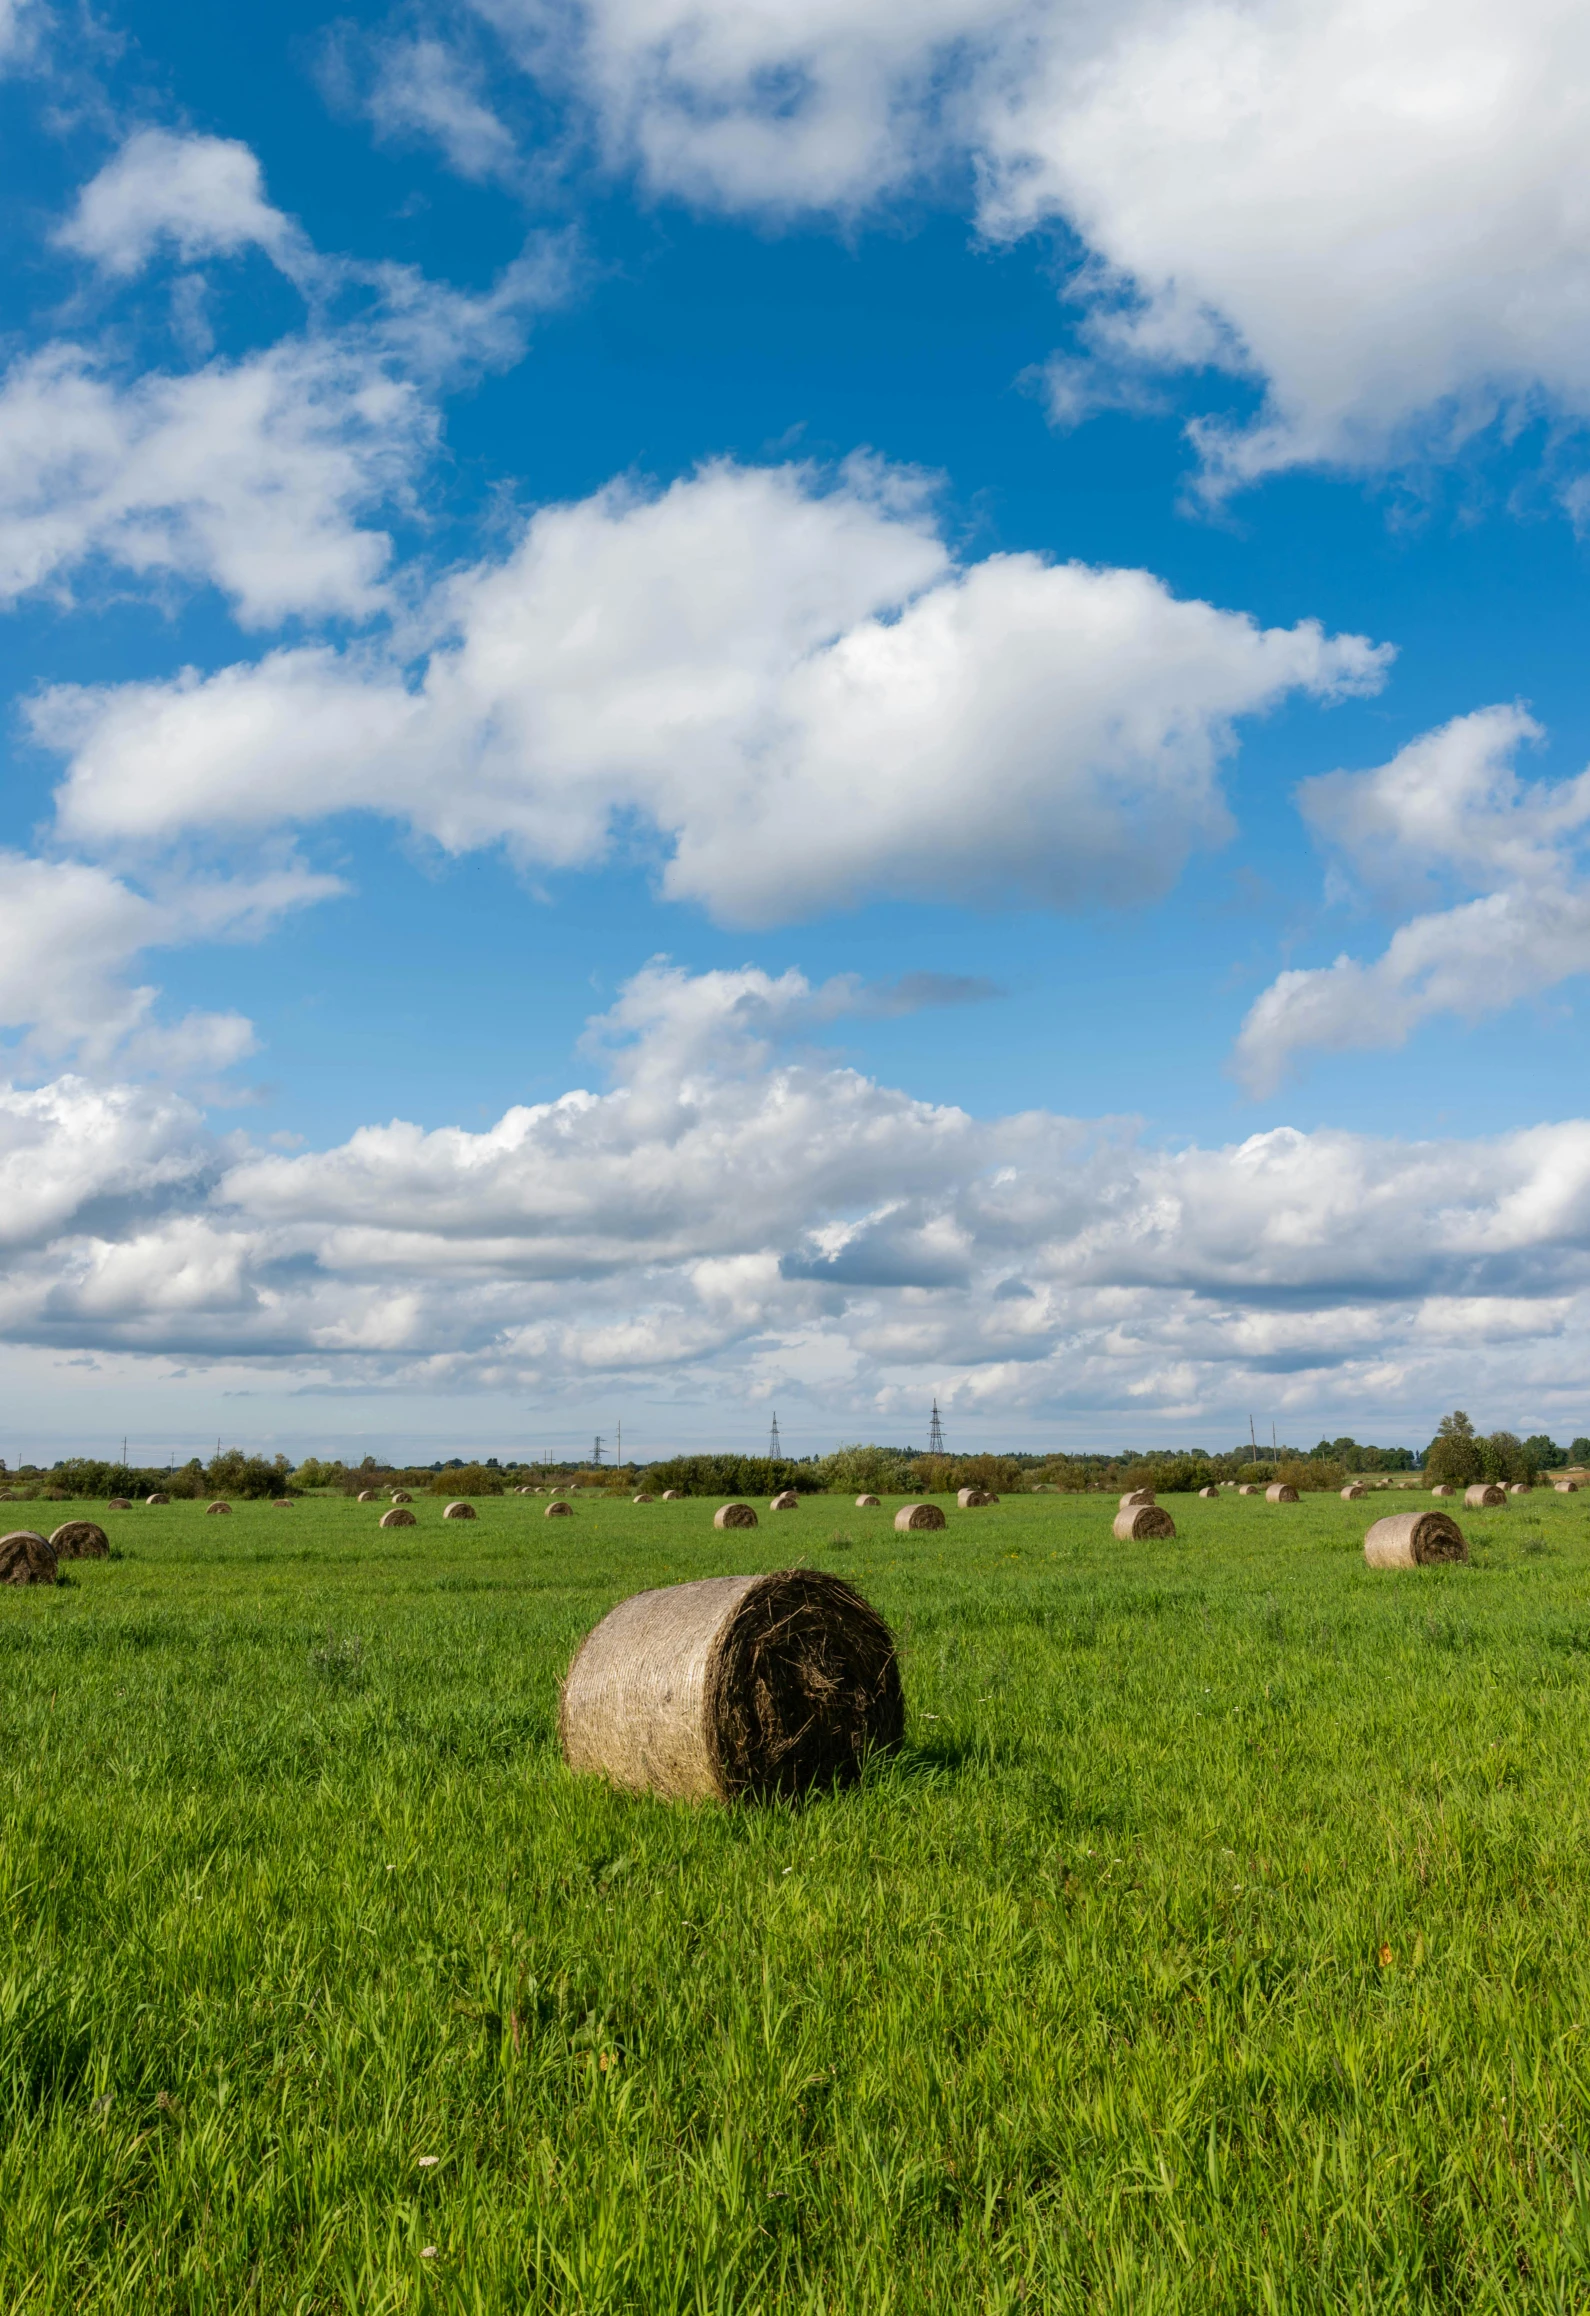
(698, 700)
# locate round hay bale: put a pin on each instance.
(643, 1499)
(1279, 1493)
(558, 1510)
(369, 1495)
(787, 1501)
(672, 1495)
(1484, 1495)
(1143, 1523)
(1441, 1489)
(974, 1499)
(26, 1558)
(119, 1504)
(399, 1517)
(1352, 1492)
(1210, 1495)
(914, 1516)
(734, 1516)
(217, 1507)
(1518, 1488)
(866, 1503)
(733, 1688)
(1250, 1488)
(1135, 1496)
(1566, 1487)
(80, 1540)
(157, 1499)
(401, 1496)
(459, 1511)
(281, 1503)
(1414, 1540)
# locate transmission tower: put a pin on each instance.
(774, 1451)
(935, 1433)
(596, 1452)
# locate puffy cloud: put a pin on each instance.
(417, 86)
(1376, 213)
(727, 1220)
(1448, 807)
(792, 682)
(199, 196)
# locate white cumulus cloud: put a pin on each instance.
(198, 196)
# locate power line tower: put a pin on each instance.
(935, 1433)
(596, 1452)
(775, 1452)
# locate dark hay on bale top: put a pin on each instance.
(866, 1503)
(1280, 1493)
(369, 1496)
(643, 1499)
(459, 1511)
(734, 1516)
(788, 1501)
(80, 1540)
(1484, 1496)
(1136, 1496)
(1414, 1540)
(738, 1687)
(1566, 1487)
(1143, 1523)
(1352, 1492)
(399, 1517)
(218, 1507)
(1210, 1495)
(911, 1517)
(974, 1499)
(157, 1499)
(25, 1558)
(558, 1510)
(119, 1504)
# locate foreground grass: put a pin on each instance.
(1218, 1942)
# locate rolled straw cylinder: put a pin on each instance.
(1136, 1496)
(119, 1504)
(643, 1499)
(1143, 1523)
(157, 1499)
(787, 1501)
(369, 1496)
(217, 1506)
(973, 1499)
(1566, 1487)
(866, 1503)
(401, 1496)
(1352, 1492)
(1518, 1487)
(80, 1540)
(26, 1558)
(1483, 1495)
(459, 1511)
(1210, 1495)
(399, 1517)
(914, 1516)
(558, 1510)
(737, 1686)
(1280, 1493)
(1441, 1489)
(670, 1495)
(734, 1516)
(1250, 1488)
(1414, 1540)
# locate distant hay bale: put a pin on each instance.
(1136, 1496)
(1279, 1493)
(1441, 1489)
(1566, 1487)
(558, 1510)
(1484, 1495)
(1352, 1492)
(1250, 1488)
(369, 1495)
(1518, 1487)
(281, 1503)
(866, 1503)
(1414, 1540)
(974, 1499)
(1210, 1495)
(1143, 1524)
(26, 1558)
(643, 1499)
(401, 1496)
(734, 1516)
(218, 1507)
(672, 1495)
(911, 1517)
(399, 1517)
(119, 1504)
(80, 1540)
(737, 1687)
(157, 1499)
(459, 1511)
(787, 1501)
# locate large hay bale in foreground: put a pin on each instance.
(399, 1517)
(459, 1511)
(734, 1516)
(80, 1540)
(1414, 1540)
(1352, 1492)
(911, 1517)
(866, 1503)
(157, 1499)
(786, 1501)
(1143, 1524)
(1210, 1495)
(26, 1558)
(974, 1499)
(1484, 1495)
(217, 1507)
(1279, 1493)
(1136, 1496)
(735, 1687)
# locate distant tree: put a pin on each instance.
(249, 1478)
(1579, 1453)
(1502, 1457)
(1453, 1456)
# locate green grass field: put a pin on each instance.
(1218, 1942)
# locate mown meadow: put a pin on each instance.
(1217, 1943)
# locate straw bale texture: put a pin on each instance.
(1209, 1495)
(866, 1503)
(914, 1516)
(80, 1540)
(670, 1495)
(281, 1503)
(26, 1558)
(788, 1501)
(369, 1496)
(1250, 1488)
(1518, 1488)
(973, 1499)
(157, 1499)
(1142, 1523)
(1414, 1540)
(1566, 1487)
(1484, 1495)
(643, 1499)
(1441, 1489)
(459, 1511)
(1352, 1492)
(218, 1507)
(1279, 1493)
(399, 1517)
(119, 1504)
(558, 1510)
(1136, 1496)
(734, 1516)
(733, 1688)
(401, 1496)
